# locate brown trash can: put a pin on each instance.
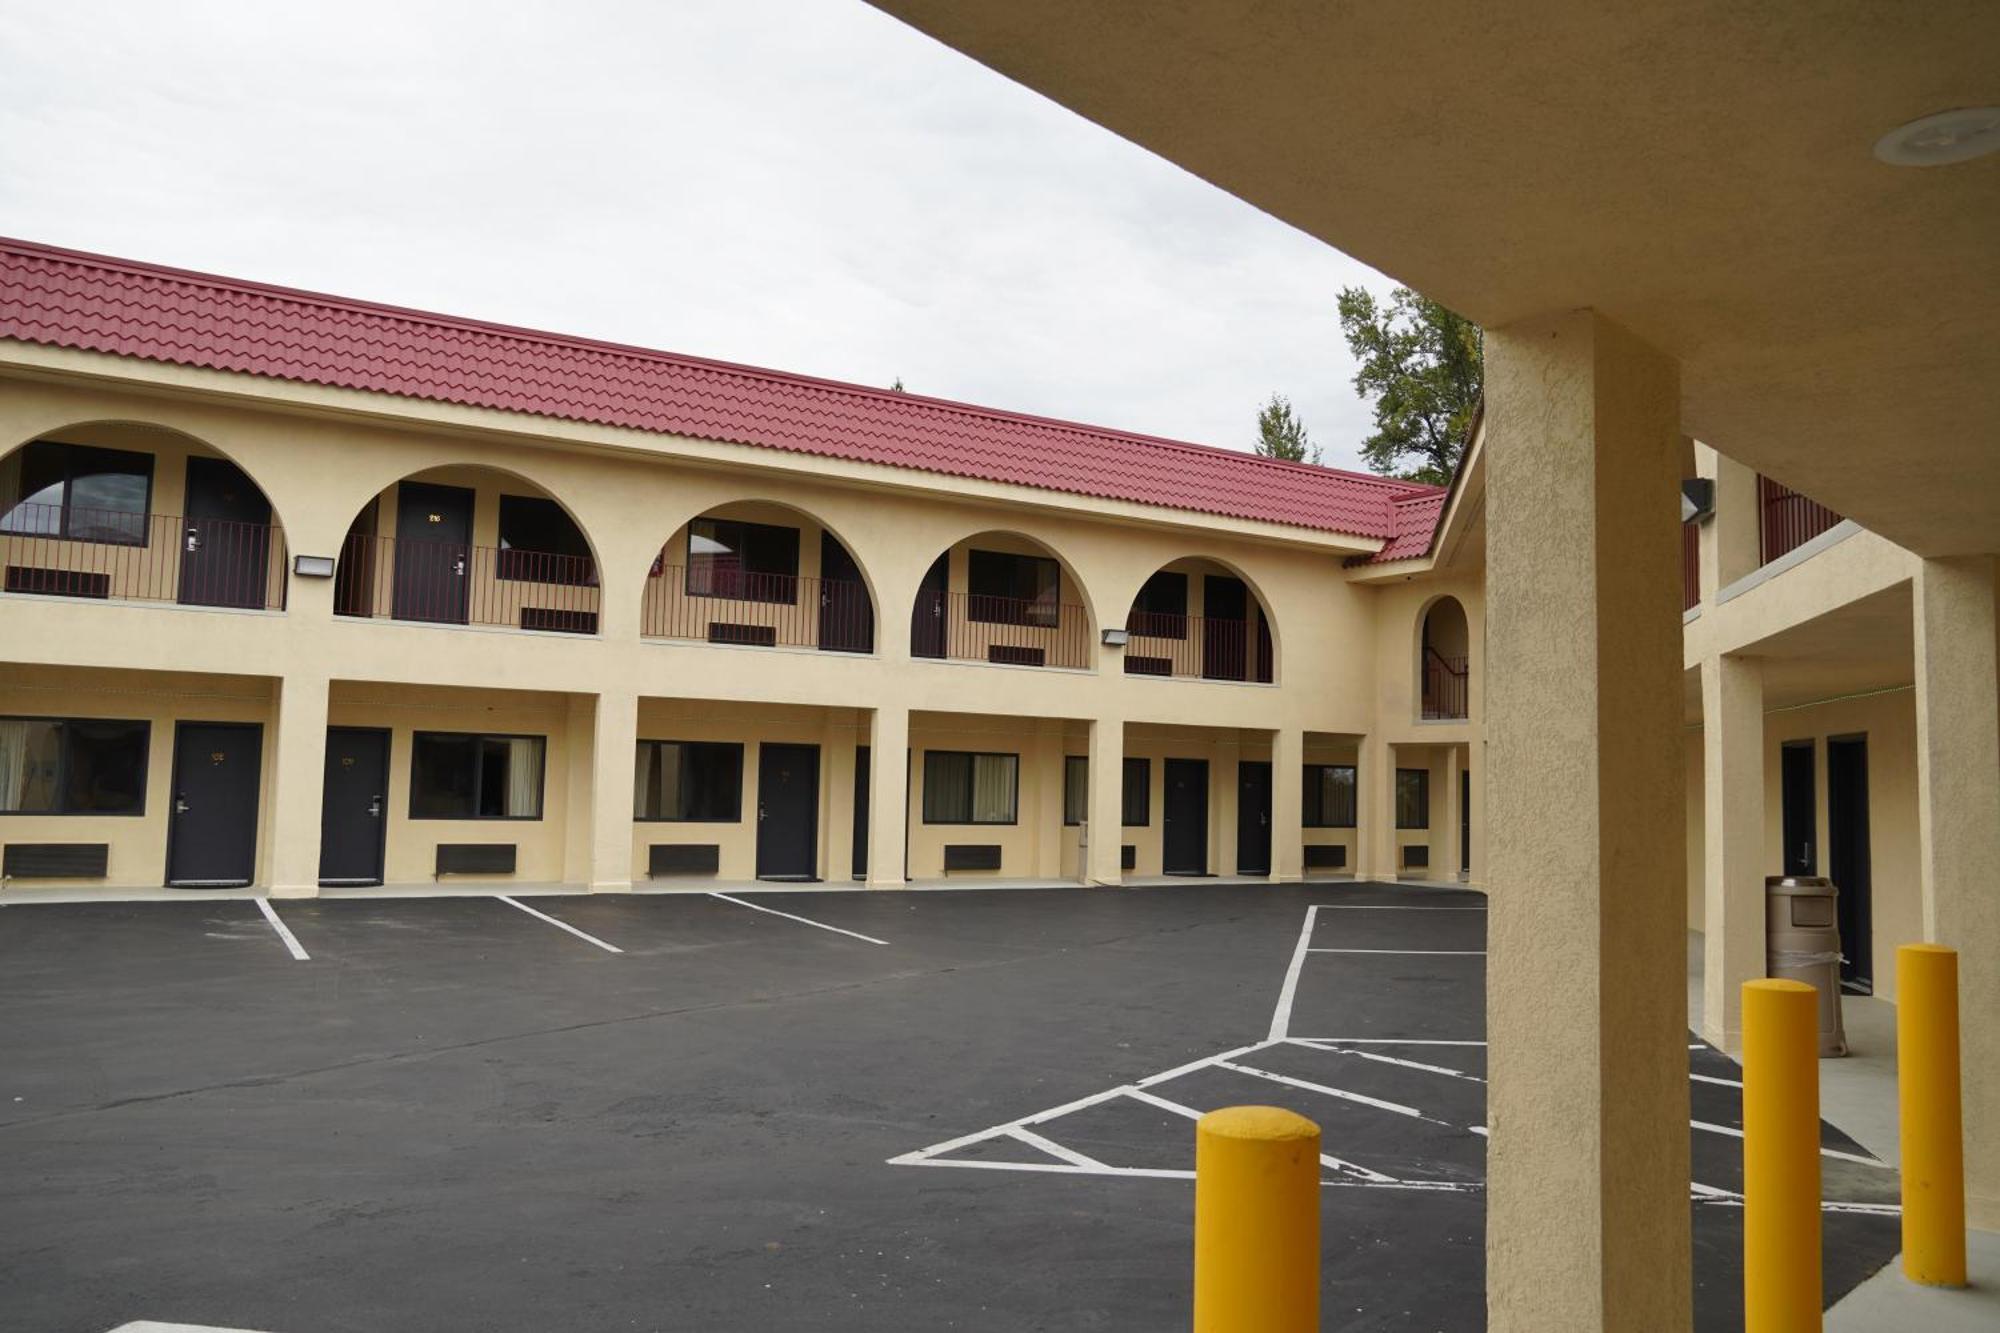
(1802, 943)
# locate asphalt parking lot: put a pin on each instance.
(953, 1110)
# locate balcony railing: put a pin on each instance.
(452, 583)
(1196, 647)
(117, 555)
(1446, 691)
(1690, 565)
(765, 610)
(973, 627)
(1788, 520)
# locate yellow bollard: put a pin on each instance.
(1256, 1222)
(1781, 1258)
(1933, 1135)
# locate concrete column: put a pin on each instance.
(1288, 839)
(888, 797)
(1375, 809)
(1106, 821)
(1731, 540)
(836, 759)
(1732, 820)
(1958, 834)
(1587, 1164)
(298, 786)
(1224, 792)
(614, 753)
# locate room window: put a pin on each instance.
(540, 543)
(1160, 609)
(695, 782)
(454, 775)
(1076, 789)
(75, 491)
(73, 766)
(751, 562)
(1329, 796)
(1009, 589)
(961, 788)
(1413, 798)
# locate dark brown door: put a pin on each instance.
(1253, 817)
(846, 620)
(433, 552)
(1799, 801)
(1225, 631)
(927, 627)
(212, 823)
(1848, 859)
(226, 537)
(787, 812)
(1184, 832)
(861, 812)
(352, 810)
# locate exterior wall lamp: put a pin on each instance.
(1115, 638)
(1697, 498)
(313, 566)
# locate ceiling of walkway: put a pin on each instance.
(1698, 170)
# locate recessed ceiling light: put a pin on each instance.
(1949, 136)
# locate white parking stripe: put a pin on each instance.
(802, 920)
(1710, 1078)
(1394, 907)
(1325, 1091)
(1823, 1152)
(559, 925)
(1281, 1017)
(1056, 1150)
(1423, 953)
(1391, 1060)
(291, 941)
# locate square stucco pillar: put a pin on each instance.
(1730, 538)
(1375, 815)
(614, 751)
(1288, 839)
(1586, 995)
(1958, 834)
(298, 786)
(1105, 826)
(888, 797)
(1732, 802)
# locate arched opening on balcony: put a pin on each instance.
(1003, 598)
(468, 545)
(760, 574)
(1199, 619)
(128, 511)
(1444, 661)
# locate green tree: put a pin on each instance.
(1421, 367)
(1280, 433)
(897, 387)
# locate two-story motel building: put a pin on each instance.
(304, 593)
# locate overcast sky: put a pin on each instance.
(802, 184)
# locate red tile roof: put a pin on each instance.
(1416, 517)
(65, 298)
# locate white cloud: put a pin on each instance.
(791, 183)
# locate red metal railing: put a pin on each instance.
(1196, 647)
(453, 583)
(1788, 520)
(972, 627)
(117, 555)
(1690, 565)
(1446, 690)
(766, 610)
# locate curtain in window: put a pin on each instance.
(1076, 789)
(524, 776)
(993, 788)
(29, 759)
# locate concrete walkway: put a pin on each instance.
(1858, 1094)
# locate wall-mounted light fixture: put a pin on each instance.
(1697, 498)
(1115, 638)
(313, 566)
